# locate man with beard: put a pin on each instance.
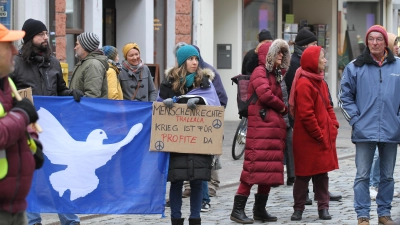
(35, 67)
(90, 73)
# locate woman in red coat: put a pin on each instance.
(314, 132)
(266, 132)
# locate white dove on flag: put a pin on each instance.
(82, 158)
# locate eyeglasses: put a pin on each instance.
(378, 40)
(43, 34)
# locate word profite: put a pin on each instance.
(178, 138)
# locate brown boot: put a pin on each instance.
(363, 221)
(385, 220)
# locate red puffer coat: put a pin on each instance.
(265, 140)
(315, 124)
(14, 187)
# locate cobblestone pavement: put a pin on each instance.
(280, 201)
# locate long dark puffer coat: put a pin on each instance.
(265, 141)
(183, 166)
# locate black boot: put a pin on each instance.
(324, 214)
(259, 212)
(194, 221)
(177, 221)
(297, 215)
(238, 214)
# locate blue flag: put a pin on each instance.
(97, 158)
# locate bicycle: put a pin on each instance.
(239, 140)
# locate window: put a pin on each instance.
(74, 27)
(257, 15)
(354, 19)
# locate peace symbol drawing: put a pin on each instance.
(217, 123)
(159, 145)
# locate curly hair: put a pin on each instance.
(178, 74)
(28, 48)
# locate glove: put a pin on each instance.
(77, 94)
(27, 106)
(168, 102)
(39, 156)
(191, 104)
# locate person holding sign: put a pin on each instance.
(17, 143)
(189, 84)
(266, 132)
(37, 68)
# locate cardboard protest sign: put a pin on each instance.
(183, 130)
(26, 93)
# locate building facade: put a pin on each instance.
(224, 30)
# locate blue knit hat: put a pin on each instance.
(110, 51)
(186, 52)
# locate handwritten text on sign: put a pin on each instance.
(183, 130)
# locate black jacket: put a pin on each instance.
(44, 77)
(250, 62)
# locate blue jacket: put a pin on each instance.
(370, 98)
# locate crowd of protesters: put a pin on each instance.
(290, 122)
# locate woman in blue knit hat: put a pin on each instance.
(114, 87)
(188, 84)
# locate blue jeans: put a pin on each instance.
(364, 156)
(65, 219)
(206, 197)
(374, 180)
(175, 198)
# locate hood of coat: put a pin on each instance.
(113, 66)
(205, 72)
(99, 55)
(268, 52)
(310, 59)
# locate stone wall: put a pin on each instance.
(183, 21)
(61, 40)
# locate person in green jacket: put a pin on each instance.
(90, 73)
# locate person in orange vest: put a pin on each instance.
(17, 163)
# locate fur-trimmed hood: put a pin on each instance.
(204, 72)
(268, 52)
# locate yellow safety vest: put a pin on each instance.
(3, 156)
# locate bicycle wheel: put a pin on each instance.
(239, 141)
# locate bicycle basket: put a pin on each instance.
(242, 82)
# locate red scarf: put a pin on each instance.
(299, 73)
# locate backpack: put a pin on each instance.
(243, 82)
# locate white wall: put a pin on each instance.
(228, 30)
(26, 9)
(135, 24)
(93, 12)
(170, 34)
(203, 28)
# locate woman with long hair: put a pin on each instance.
(187, 83)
